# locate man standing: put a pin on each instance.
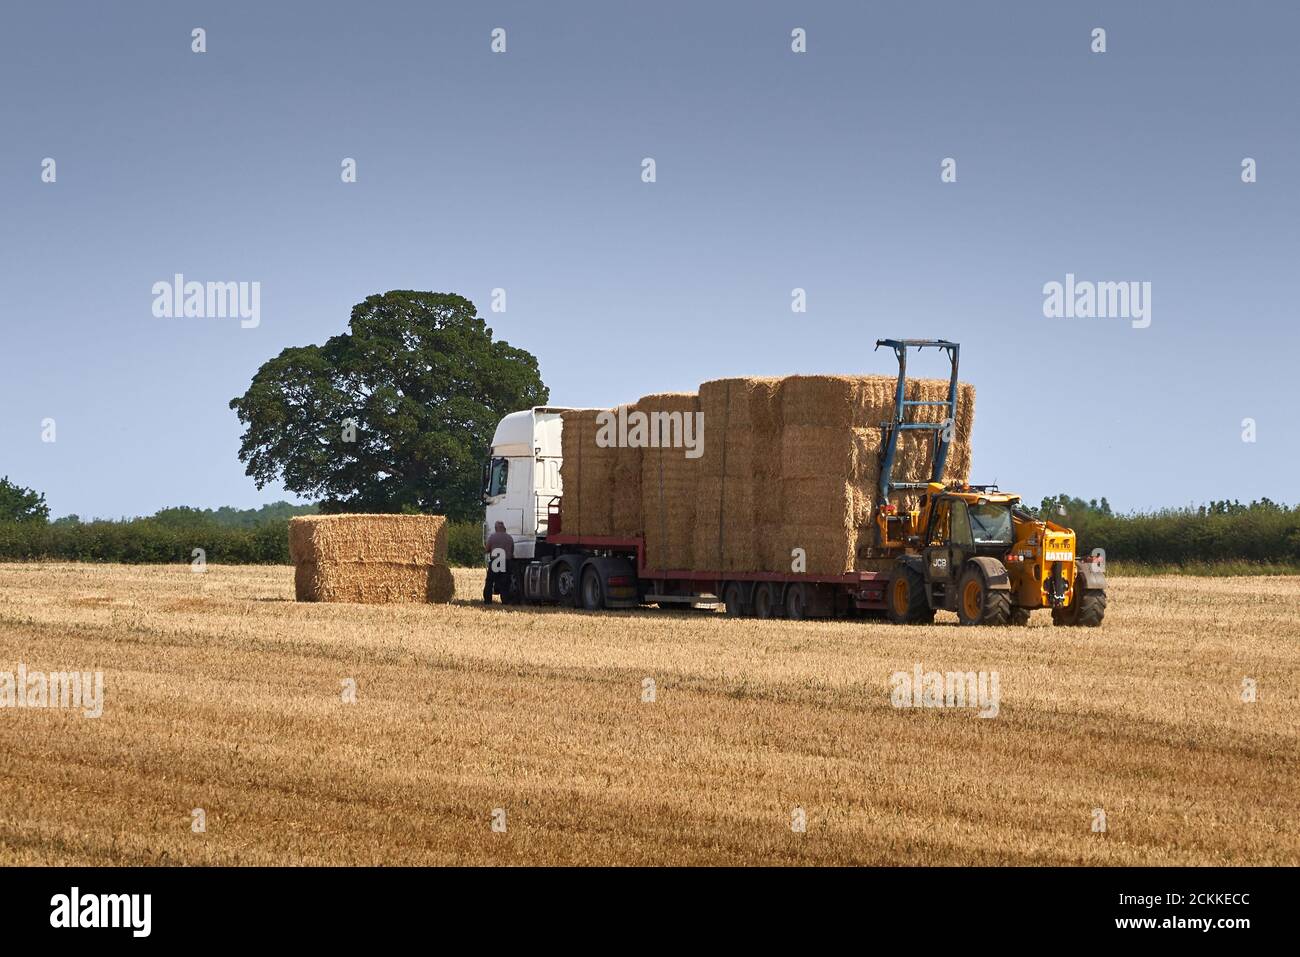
(500, 552)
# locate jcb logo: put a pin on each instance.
(939, 562)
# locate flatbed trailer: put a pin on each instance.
(595, 572)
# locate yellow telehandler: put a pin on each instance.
(973, 549)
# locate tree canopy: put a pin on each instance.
(394, 415)
(18, 504)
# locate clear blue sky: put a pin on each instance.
(775, 170)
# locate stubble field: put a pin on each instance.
(222, 694)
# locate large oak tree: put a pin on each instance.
(417, 384)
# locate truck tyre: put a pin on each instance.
(977, 603)
(767, 601)
(593, 589)
(905, 598)
(564, 584)
(733, 596)
(1086, 611)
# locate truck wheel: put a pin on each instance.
(796, 602)
(1086, 611)
(733, 596)
(977, 604)
(564, 584)
(905, 598)
(766, 601)
(1019, 616)
(593, 590)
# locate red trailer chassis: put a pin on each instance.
(860, 591)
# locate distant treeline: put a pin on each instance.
(1227, 536)
(1260, 533)
(228, 536)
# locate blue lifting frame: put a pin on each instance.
(900, 424)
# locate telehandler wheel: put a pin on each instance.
(1019, 616)
(733, 596)
(977, 604)
(767, 601)
(905, 599)
(1086, 611)
(593, 590)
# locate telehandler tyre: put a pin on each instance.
(905, 599)
(978, 604)
(1086, 611)
(1019, 616)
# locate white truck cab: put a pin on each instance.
(522, 476)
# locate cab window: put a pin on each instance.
(961, 525)
(992, 524)
(498, 474)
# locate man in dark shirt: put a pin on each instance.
(500, 552)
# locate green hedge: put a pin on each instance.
(146, 540)
(1263, 536)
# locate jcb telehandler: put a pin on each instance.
(971, 548)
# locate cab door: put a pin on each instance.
(938, 569)
(961, 543)
(948, 544)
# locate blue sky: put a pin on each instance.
(775, 170)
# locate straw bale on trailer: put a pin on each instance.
(831, 443)
(787, 463)
(370, 558)
(625, 508)
(669, 481)
(742, 429)
(587, 474)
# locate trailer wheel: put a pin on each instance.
(1087, 610)
(593, 590)
(767, 601)
(905, 599)
(977, 603)
(796, 602)
(733, 596)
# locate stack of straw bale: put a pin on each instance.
(787, 463)
(742, 431)
(371, 559)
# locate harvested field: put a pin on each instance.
(222, 693)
